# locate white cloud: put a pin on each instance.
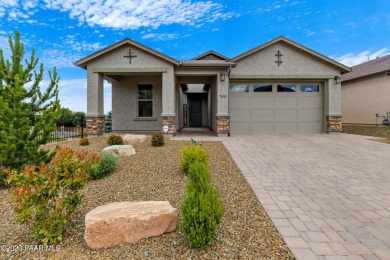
(16, 9)
(160, 36)
(134, 14)
(352, 59)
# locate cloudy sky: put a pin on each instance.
(61, 32)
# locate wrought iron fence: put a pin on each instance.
(68, 127)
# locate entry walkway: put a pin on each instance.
(328, 195)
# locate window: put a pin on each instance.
(145, 100)
(310, 88)
(262, 88)
(286, 88)
(238, 88)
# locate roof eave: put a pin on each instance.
(82, 63)
(342, 67)
(385, 72)
(232, 64)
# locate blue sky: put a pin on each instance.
(63, 31)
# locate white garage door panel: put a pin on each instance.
(310, 115)
(276, 112)
(259, 127)
(286, 127)
(239, 101)
(262, 114)
(240, 114)
(267, 101)
(286, 114)
(282, 101)
(240, 127)
(310, 127)
(310, 101)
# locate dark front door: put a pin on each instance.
(196, 112)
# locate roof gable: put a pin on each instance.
(82, 63)
(369, 68)
(211, 55)
(343, 68)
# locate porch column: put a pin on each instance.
(95, 104)
(222, 105)
(168, 114)
(333, 115)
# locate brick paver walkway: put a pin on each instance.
(328, 195)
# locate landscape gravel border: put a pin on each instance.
(153, 174)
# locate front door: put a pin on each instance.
(196, 112)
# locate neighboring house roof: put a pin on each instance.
(212, 53)
(83, 62)
(207, 63)
(343, 68)
(368, 69)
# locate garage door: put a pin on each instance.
(275, 108)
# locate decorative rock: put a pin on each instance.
(129, 222)
(125, 150)
(133, 139)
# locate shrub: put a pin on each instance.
(157, 139)
(84, 141)
(2, 177)
(114, 139)
(191, 154)
(106, 166)
(202, 209)
(47, 195)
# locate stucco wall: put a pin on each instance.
(115, 59)
(361, 99)
(124, 104)
(296, 65)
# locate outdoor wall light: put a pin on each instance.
(222, 76)
(337, 79)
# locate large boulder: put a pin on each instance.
(133, 139)
(124, 150)
(129, 222)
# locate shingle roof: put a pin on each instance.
(211, 52)
(367, 69)
(207, 63)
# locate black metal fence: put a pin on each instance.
(69, 127)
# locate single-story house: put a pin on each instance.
(278, 87)
(366, 91)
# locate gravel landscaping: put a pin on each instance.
(154, 174)
(381, 131)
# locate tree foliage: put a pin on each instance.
(108, 123)
(202, 209)
(28, 114)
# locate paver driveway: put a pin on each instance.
(328, 195)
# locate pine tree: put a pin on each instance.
(27, 114)
(108, 123)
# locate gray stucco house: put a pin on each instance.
(278, 87)
(366, 91)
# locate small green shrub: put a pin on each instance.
(202, 209)
(2, 177)
(106, 166)
(191, 154)
(47, 195)
(114, 139)
(84, 141)
(157, 139)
